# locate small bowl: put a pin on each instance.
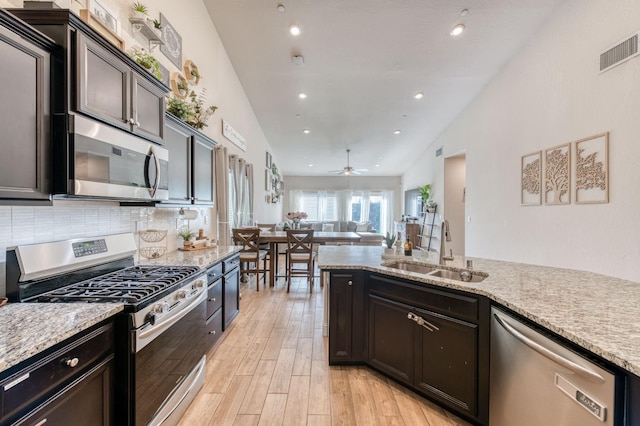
(153, 252)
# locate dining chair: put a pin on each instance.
(300, 252)
(269, 227)
(250, 253)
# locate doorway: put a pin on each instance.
(455, 172)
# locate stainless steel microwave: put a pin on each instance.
(105, 162)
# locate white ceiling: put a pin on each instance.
(363, 62)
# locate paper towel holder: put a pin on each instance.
(188, 214)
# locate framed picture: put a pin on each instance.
(102, 28)
(557, 175)
(104, 15)
(267, 180)
(531, 179)
(172, 47)
(268, 164)
(592, 169)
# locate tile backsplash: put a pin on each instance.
(77, 219)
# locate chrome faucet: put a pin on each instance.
(445, 235)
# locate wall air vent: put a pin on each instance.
(439, 152)
(619, 53)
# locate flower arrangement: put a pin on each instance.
(296, 217)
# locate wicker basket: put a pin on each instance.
(152, 252)
(153, 235)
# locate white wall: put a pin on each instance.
(454, 183)
(551, 93)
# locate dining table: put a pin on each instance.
(319, 237)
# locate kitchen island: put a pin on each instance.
(432, 334)
(599, 313)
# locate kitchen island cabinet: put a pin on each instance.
(348, 322)
(25, 64)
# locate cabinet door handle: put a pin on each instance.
(422, 322)
(41, 422)
(350, 283)
(72, 362)
(212, 299)
(212, 332)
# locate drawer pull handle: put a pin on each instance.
(212, 299)
(421, 322)
(41, 422)
(72, 362)
(212, 332)
(350, 283)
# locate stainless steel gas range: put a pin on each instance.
(160, 336)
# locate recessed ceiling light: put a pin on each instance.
(302, 95)
(396, 132)
(294, 30)
(457, 30)
(306, 131)
(297, 115)
(418, 95)
(464, 12)
(310, 165)
(377, 165)
(280, 8)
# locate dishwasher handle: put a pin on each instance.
(542, 350)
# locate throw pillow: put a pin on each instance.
(327, 227)
(363, 227)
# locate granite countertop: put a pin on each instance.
(597, 312)
(29, 328)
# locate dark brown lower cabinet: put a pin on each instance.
(447, 361)
(431, 339)
(230, 290)
(347, 307)
(87, 401)
(391, 339)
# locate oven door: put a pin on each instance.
(169, 367)
(107, 162)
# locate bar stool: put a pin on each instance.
(300, 252)
(250, 253)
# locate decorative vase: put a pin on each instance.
(296, 224)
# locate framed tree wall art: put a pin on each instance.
(557, 175)
(531, 179)
(592, 169)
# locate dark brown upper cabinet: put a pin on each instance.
(25, 110)
(191, 165)
(96, 78)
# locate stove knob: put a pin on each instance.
(161, 308)
(198, 284)
(182, 294)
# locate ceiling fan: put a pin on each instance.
(348, 170)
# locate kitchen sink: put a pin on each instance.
(411, 267)
(457, 275)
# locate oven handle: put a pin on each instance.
(144, 337)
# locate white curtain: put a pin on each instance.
(222, 195)
(250, 194)
(241, 192)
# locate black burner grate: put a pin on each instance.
(130, 285)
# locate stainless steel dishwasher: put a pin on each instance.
(536, 381)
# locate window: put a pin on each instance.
(357, 206)
(319, 205)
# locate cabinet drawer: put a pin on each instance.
(214, 297)
(214, 272)
(44, 377)
(441, 301)
(214, 329)
(231, 263)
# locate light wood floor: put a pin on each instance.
(271, 368)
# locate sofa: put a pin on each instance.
(369, 236)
